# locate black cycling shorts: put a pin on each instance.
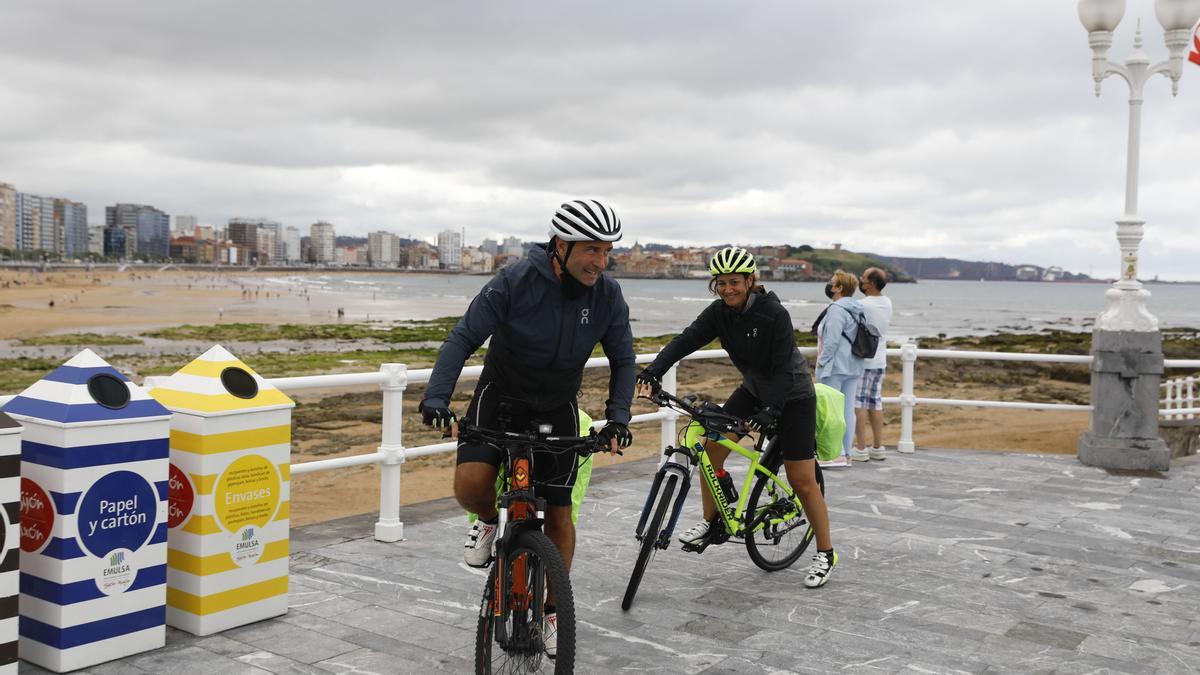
(797, 432)
(554, 472)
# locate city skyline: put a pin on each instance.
(935, 129)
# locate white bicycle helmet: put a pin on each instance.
(585, 220)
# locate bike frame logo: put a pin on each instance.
(711, 474)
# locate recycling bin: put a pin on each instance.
(231, 433)
(94, 460)
(10, 540)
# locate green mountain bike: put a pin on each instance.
(768, 515)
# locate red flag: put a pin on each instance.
(1194, 57)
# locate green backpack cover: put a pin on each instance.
(583, 474)
(831, 422)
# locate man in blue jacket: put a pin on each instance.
(544, 316)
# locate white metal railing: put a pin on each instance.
(394, 378)
(1179, 399)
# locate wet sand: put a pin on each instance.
(111, 302)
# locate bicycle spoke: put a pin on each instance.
(778, 529)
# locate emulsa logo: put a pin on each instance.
(117, 572)
(247, 546)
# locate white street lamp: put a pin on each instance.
(1127, 299)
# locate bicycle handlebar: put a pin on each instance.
(710, 415)
(580, 445)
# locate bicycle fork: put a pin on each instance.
(677, 463)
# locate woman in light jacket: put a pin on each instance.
(837, 367)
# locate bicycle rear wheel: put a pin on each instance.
(777, 527)
(666, 497)
(511, 641)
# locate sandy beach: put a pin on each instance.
(107, 301)
(338, 423)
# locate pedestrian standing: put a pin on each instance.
(868, 399)
(837, 366)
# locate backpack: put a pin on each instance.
(866, 338)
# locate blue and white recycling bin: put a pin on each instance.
(94, 468)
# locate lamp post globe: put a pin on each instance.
(1101, 15)
(1177, 14)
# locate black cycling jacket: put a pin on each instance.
(760, 342)
(540, 338)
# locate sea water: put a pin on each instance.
(661, 306)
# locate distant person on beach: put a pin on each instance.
(544, 315)
(776, 392)
(837, 366)
(868, 399)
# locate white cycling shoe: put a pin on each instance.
(477, 552)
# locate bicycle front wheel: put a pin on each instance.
(510, 637)
(777, 527)
(666, 497)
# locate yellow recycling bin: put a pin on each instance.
(10, 540)
(227, 558)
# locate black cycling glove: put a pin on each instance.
(618, 431)
(764, 420)
(647, 378)
(437, 417)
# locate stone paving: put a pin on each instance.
(952, 561)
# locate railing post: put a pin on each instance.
(908, 359)
(1174, 398)
(389, 528)
(668, 424)
(1191, 397)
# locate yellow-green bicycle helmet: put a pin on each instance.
(732, 260)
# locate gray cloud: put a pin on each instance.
(933, 128)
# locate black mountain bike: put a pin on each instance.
(528, 567)
(768, 515)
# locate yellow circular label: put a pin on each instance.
(247, 493)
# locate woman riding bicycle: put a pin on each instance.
(776, 393)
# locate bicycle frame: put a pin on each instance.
(519, 509)
(732, 514)
(691, 454)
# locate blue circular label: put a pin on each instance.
(117, 512)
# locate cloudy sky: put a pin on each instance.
(928, 128)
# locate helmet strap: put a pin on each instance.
(572, 287)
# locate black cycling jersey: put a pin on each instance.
(760, 341)
(540, 338)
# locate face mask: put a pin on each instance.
(829, 291)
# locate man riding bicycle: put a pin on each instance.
(544, 315)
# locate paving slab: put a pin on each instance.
(951, 561)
